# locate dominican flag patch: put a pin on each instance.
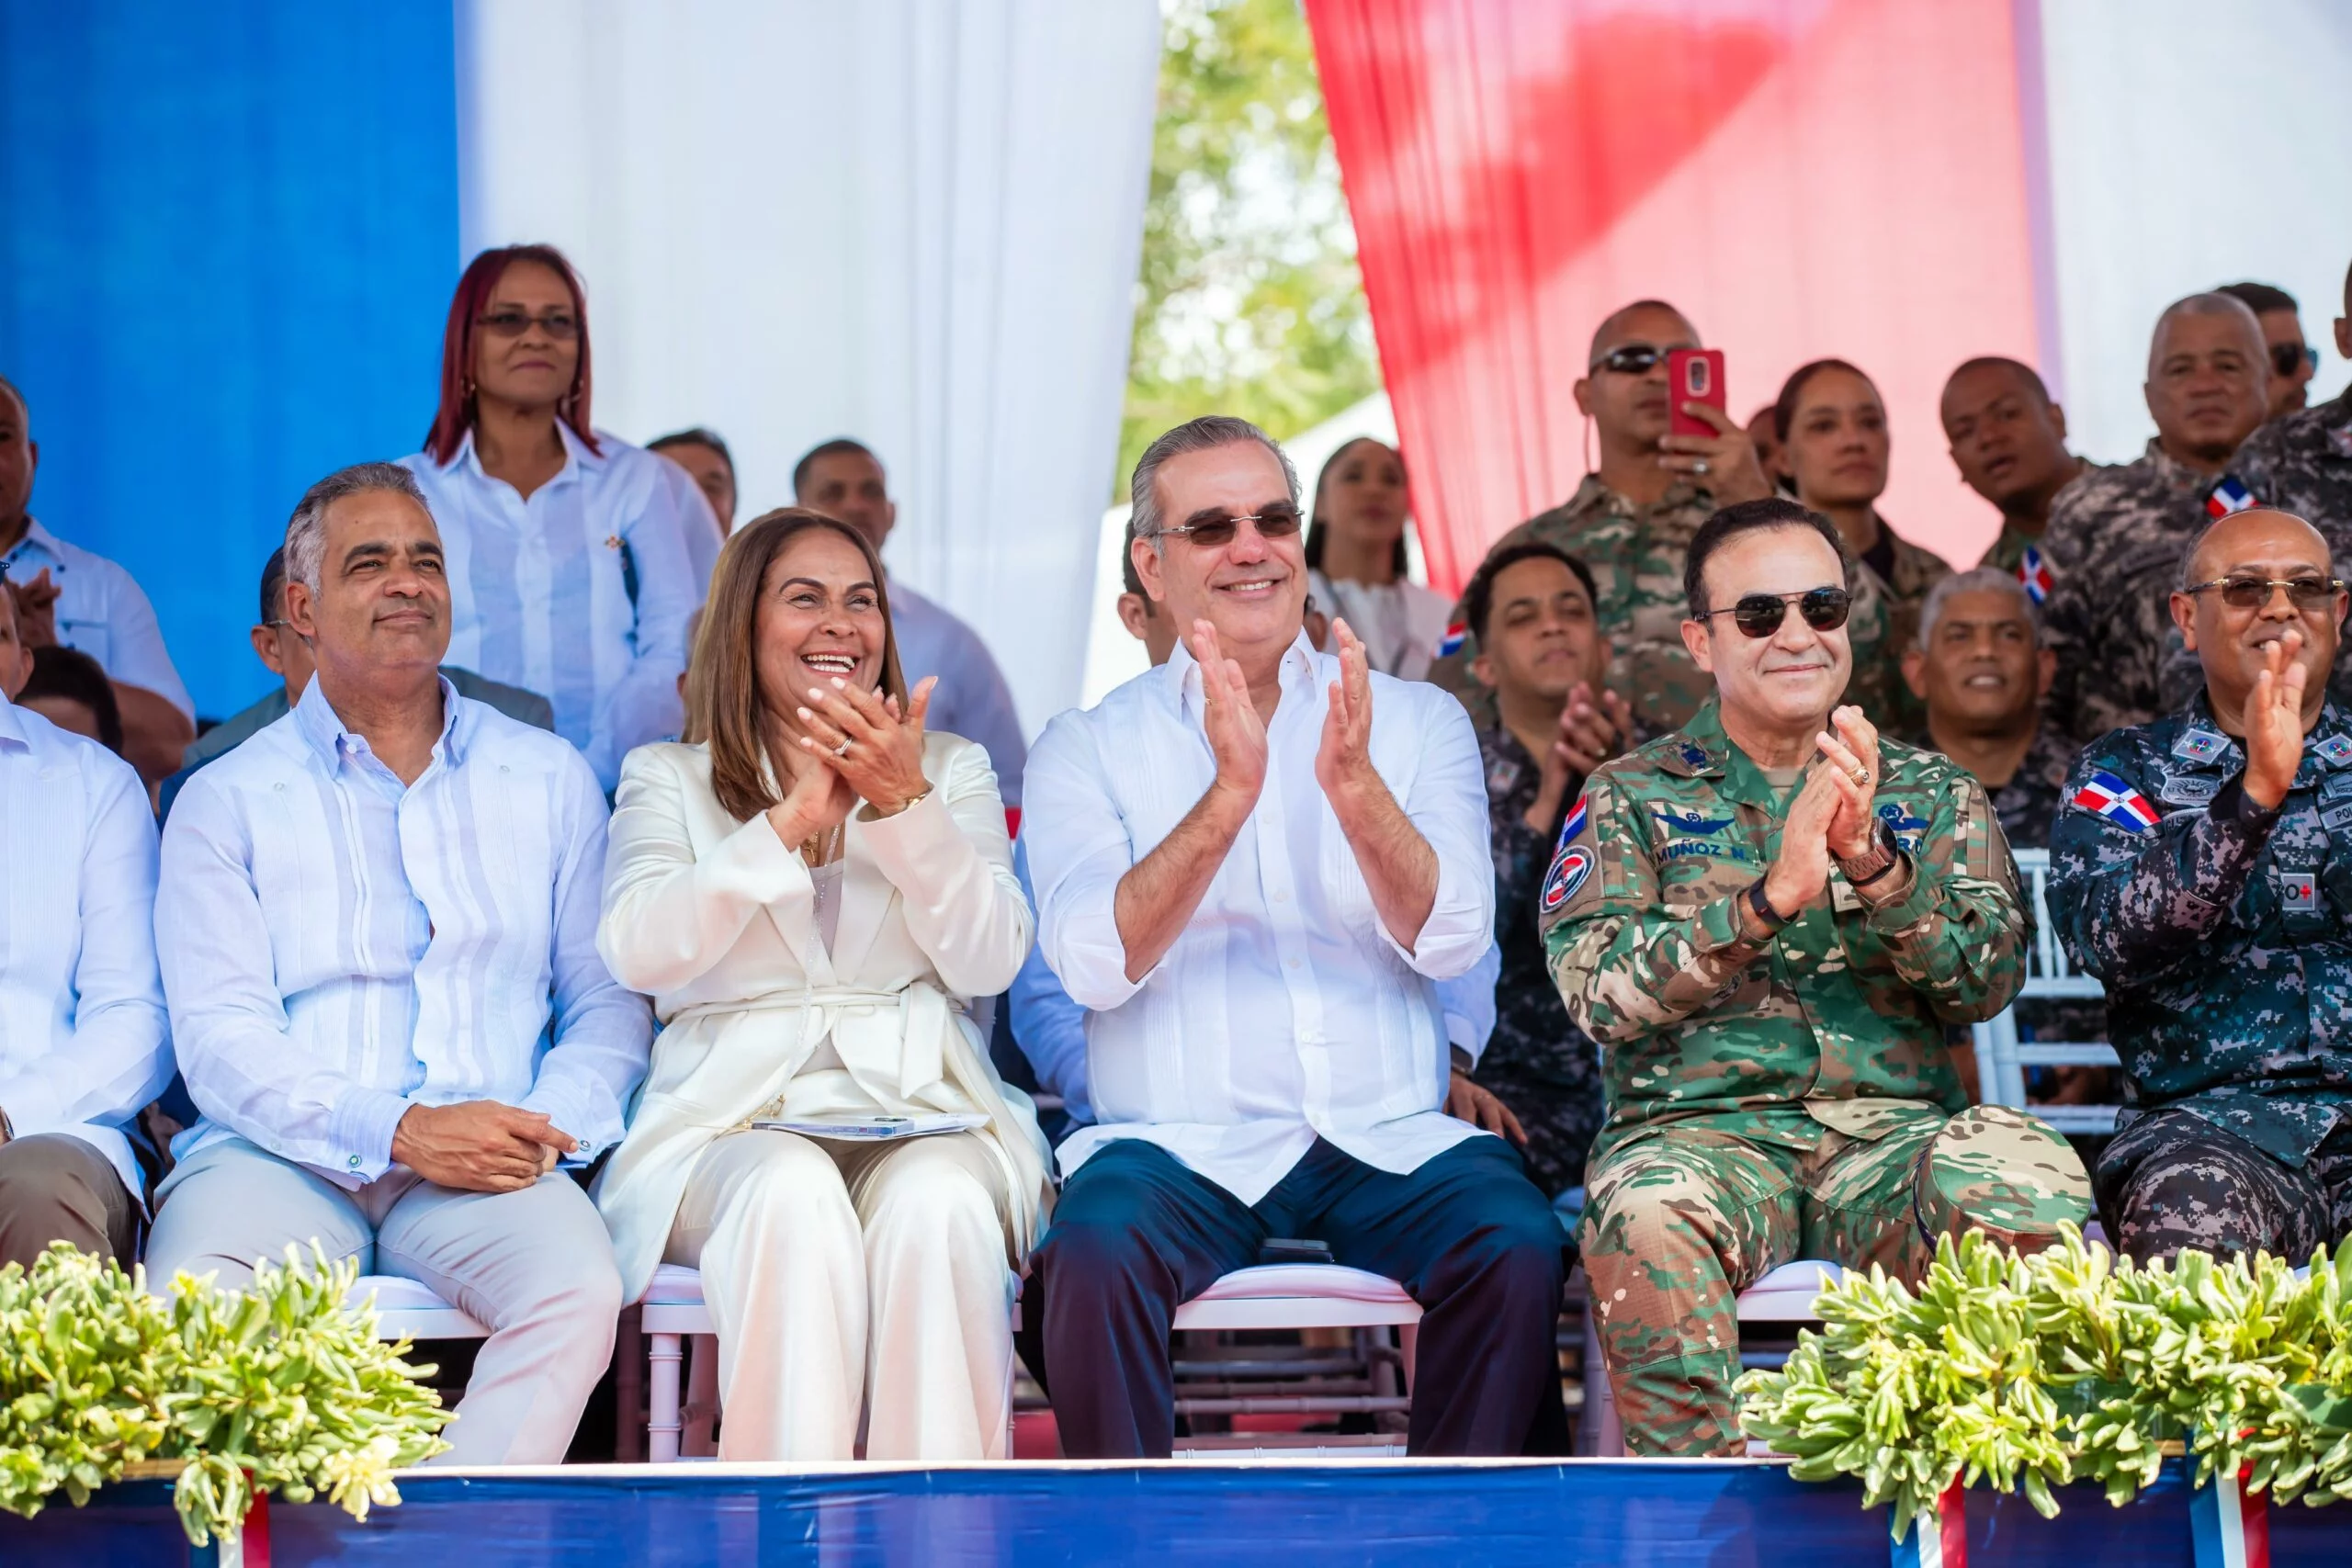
(1450, 642)
(1574, 825)
(2116, 801)
(2033, 571)
(2229, 494)
(1568, 874)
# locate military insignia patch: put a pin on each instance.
(2188, 789)
(2335, 751)
(2299, 890)
(2336, 817)
(2200, 745)
(1568, 875)
(1900, 819)
(1691, 821)
(2117, 801)
(2336, 789)
(1575, 823)
(1695, 755)
(2229, 494)
(1452, 640)
(2033, 571)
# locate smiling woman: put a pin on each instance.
(810, 887)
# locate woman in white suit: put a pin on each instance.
(810, 890)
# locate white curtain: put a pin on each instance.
(913, 222)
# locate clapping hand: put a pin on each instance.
(1591, 731)
(1851, 756)
(1799, 877)
(36, 610)
(874, 749)
(1237, 735)
(817, 802)
(2274, 723)
(1343, 760)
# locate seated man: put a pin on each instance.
(1252, 865)
(1541, 654)
(81, 1044)
(286, 656)
(378, 933)
(2202, 868)
(1050, 1028)
(1768, 920)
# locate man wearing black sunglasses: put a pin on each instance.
(2116, 535)
(2202, 868)
(1632, 519)
(1768, 920)
(2292, 360)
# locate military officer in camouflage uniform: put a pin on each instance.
(1541, 655)
(1979, 669)
(1768, 927)
(2202, 869)
(1630, 520)
(2117, 535)
(2301, 463)
(2009, 441)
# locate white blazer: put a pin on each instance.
(716, 920)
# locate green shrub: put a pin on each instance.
(280, 1383)
(2028, 1372)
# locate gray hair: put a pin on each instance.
(306, 531)
(1203, 435)
(1976, 579)
(2213, 303)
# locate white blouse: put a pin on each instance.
(1399, 622)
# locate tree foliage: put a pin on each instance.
(1248, 300)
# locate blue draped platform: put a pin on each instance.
(1295, 1516)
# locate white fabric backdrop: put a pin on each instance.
(2192, 144)
(913, 222)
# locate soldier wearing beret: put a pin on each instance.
(1768, 920)
(2202, 869)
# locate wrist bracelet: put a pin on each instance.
(1774, 921)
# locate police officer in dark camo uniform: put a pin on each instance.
(2202, 868)
(2116, 535)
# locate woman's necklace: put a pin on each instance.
(825, 846)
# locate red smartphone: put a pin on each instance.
(1694, 376)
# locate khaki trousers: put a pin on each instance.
(847, 1275)
(534, 1267)
(54, 1186)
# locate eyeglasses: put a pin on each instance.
(560, 325)
(2253, 593)
(1761, 614)
(1278, 521)
(2289, 357)
(1632, 359)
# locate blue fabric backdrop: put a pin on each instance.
(228, 234)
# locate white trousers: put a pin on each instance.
(534, 1267)
(843, 1275)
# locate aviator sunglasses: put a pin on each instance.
(1761, 614)
(2253, 593)
(1278, 521)
(1632, 359)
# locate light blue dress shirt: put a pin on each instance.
(100, 611)
(971, 699)
(337, 947)
(81, 1040)
(538, 596)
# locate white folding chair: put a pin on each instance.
(1299, 1296)
(2002, 1058)
(1784, 1296)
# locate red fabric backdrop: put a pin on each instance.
(1803, 177)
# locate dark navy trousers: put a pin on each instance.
(1137, 1234)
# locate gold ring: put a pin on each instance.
(1862, 777)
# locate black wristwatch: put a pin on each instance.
(1774, 921)
(1884, 852)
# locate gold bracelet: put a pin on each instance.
(909, 804)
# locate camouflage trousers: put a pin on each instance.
(2172, 1179)
(1679, 1222)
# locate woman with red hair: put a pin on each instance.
(574, 559)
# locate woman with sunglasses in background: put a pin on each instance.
(575, 559)
(1355, 560)
(1832, 425)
